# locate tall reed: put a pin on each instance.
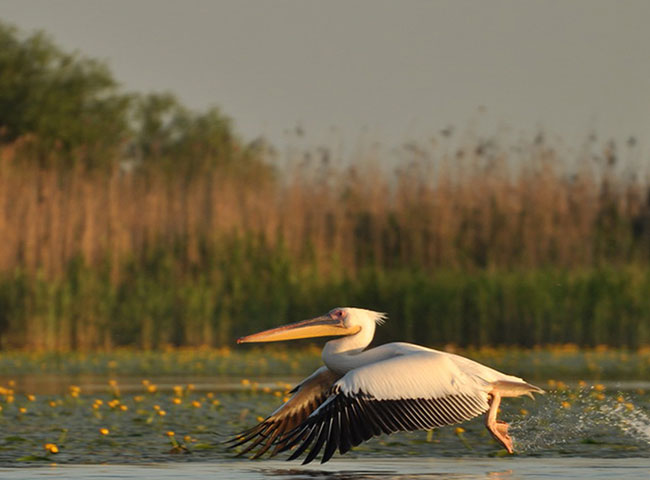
(91, 259)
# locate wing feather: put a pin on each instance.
(307, 397)
(334, 434)
(313, 429)
(419, 391)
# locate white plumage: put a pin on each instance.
(362, 393)
(414, 371)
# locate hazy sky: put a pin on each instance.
(396, 69)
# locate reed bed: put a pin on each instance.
(490, 243)
(479, 207)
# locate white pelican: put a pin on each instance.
(362, 393)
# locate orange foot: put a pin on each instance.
(499, 431)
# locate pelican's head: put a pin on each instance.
(337, 322)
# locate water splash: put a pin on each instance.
(632, 422)
(583, 417)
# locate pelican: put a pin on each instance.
(359, 394)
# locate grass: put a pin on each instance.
(489, 243)
(253, 363)
(496, 203)
(249, 286)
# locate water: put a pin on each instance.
(593, 431)
(387, 468)
(615, 423)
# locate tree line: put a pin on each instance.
(130, 220)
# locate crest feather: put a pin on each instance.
(381, 318)
(378, 317)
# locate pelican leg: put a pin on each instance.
(498, 428)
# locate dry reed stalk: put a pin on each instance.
(466, 211)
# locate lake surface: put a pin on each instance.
(386, 468)
(173, 427)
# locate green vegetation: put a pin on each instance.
(248, 287)
(128, 421)
(566, 362)
(66, 102)
(129, 220)
(64, 110)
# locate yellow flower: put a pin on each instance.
(523, 411)
(176, 401)
(178, 390)
(124, 408)
(162, 413)
(196, 404)
(156, 407)
(566, 404)
(170, 433)
(31, 398)
(599, 387)
(629, 406)
(151, 388)
(104, 431)
(245, 381)
(138, 398)
(52, 403)
(459, 430)
(216, 402)
(22, 410)
(51, 448)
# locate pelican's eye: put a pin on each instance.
(338, 314)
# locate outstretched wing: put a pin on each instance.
(306, 398)
(417, 391)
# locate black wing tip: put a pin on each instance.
(329, 430)
(347, 421)
(262, 433)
